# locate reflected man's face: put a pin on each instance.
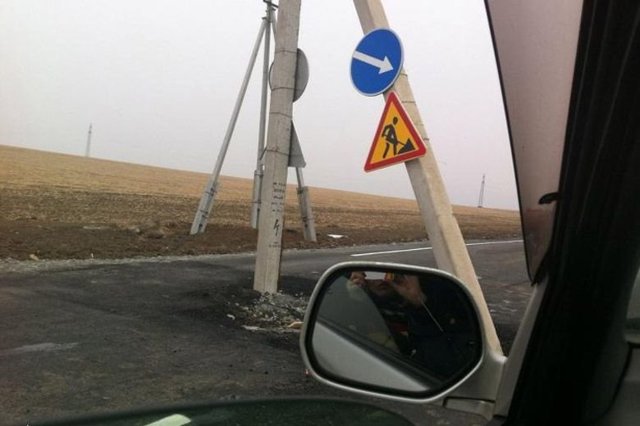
(381, 288)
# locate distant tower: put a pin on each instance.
(481, 198)
(87, 153)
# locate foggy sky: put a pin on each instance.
(158, 80)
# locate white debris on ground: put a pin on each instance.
(335, 236)
(275, 312)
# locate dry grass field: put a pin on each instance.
(56, 206)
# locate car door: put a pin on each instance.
(579, 365)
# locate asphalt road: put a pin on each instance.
(86, 336)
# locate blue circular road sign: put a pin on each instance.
(376, 62)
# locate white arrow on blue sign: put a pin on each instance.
(376, 62)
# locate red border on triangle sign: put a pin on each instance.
(420, 150)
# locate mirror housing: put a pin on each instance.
(400, 332)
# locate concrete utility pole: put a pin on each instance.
(276, 156)
(296, 160)
(449, 248)
(87, 152)
(481, 197)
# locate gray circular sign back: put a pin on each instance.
(302, 75)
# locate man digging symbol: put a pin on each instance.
(391, 139)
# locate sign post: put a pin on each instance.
(449, 248)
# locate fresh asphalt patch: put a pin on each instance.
(85, 336)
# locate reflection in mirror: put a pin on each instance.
(408, 332)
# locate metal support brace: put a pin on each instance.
(259, 171)
(306, 213)
(208, 196)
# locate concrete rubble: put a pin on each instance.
(275, 312)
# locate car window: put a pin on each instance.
(632, 330)
(536, 60)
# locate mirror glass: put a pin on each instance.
(393, 330)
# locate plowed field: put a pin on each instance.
(56, 206)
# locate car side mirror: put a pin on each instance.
(392, 330)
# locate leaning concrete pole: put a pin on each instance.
(276, 156)
(449, 248)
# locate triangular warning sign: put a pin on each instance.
(396, 139)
